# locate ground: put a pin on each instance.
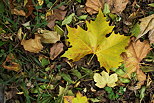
(32, 69)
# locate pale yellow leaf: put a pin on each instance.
(49, 36)
(104, 79)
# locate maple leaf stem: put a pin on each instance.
(91, 59)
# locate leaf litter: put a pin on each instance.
(44, 67)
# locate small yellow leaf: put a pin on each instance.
(80, 99)
(32, 45)
(104, 79)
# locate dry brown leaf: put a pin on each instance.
(136, 51)
(32, 45)
(18, 12)
(116, 6)
(11, 64)
(147, 25)
(55, 50)
(56, 14)
(30, 7)
(92, 6)
(49, 36)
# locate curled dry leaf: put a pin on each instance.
(55, 50)
(49, 36)
(135, 52)
(116, 6)
(147, 25)
(32, 45)
(11, 64)
(56, 14)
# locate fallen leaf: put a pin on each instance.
(32, 45)
(116, 6)
(147, 25)
(94, 40)
(151, 36)
(55, 50)
(136, 51)
(68, 19)
(104, 79)
(19, 34)
(80, 98)
(18, 12)
(68, 99)
(93, 6)
(11, 64)
(56, 14)
(49, 36)
(27, 25)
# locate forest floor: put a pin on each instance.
(43, 60)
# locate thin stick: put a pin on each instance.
(91, 59)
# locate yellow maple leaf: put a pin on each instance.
(94, 40)
(80, 98)
(104, 79)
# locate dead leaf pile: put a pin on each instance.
(136, 51)
(116, 6)
(147, 25)
(45, 36)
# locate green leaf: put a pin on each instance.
(135, 30)
(2, 7)
(82, 17)
(124, 80)
(142, 93)
(106, 9)
(78, 1)
(67, 78)
(44, 62)
(2, 43)
(76, 73)
(68, 19)
(87, 71)
(152, 4)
